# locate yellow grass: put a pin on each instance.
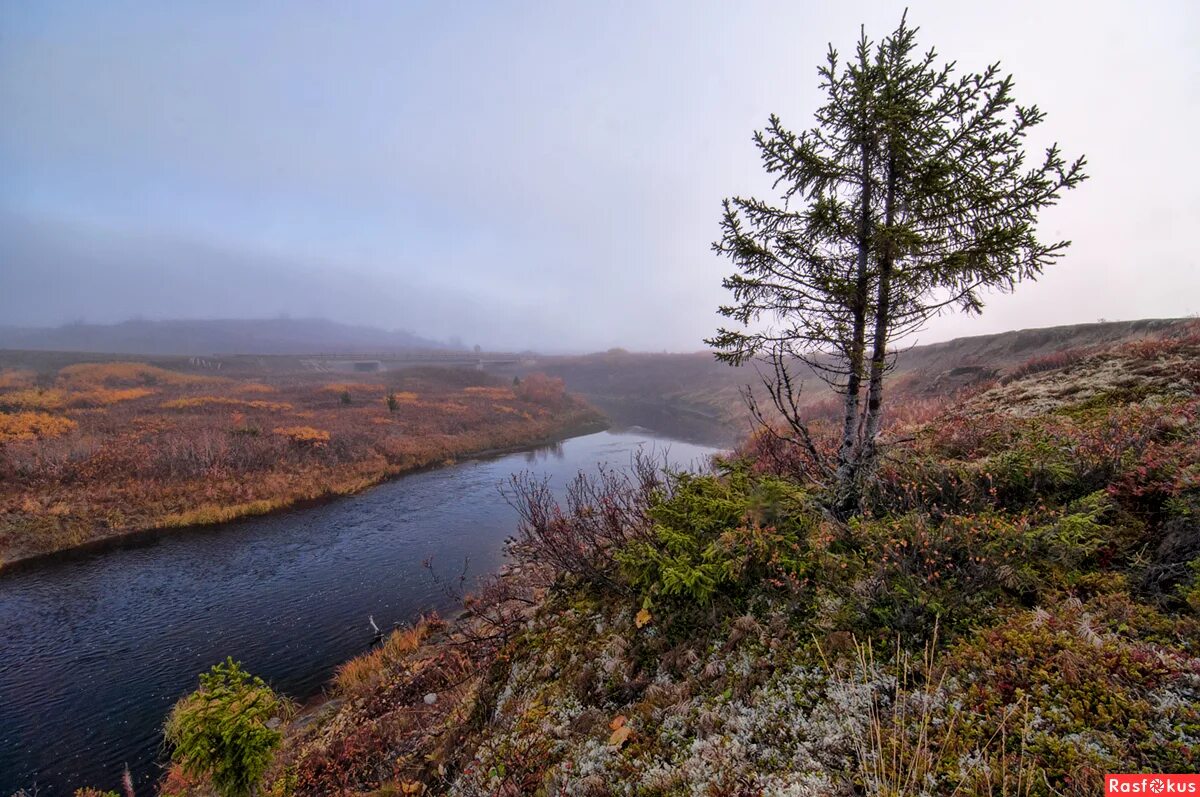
(208, 514)
(451, 407)
(305, 435)
(103, 396)
(34, 399)
(57, 399)
(199, 402)
(30, 425)
(221, 513)
(365, 671)
(126, 373)
(501, 393)
(406, 397)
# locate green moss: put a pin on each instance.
(1101, 404)
(1084, 689)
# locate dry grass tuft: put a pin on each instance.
(363, 673)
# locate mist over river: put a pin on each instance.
(95, 646)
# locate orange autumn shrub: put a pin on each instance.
(16, 379)
(405, 397)
(304, 435)
(127, 373)
(541, 389)
(34, 399)
(57, 399)
(197, 402)
(31, 425)
(103, 396)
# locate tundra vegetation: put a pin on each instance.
(993, 591)
(1014, 611)
(97, 449)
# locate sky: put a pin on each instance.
(527, 175)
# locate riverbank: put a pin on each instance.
(97, 647)
(95, 452)
(1017, 610)
(589, 422)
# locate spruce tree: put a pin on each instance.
(911, 195)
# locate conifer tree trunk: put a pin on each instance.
(847, 451)
(883, 318)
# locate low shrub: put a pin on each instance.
(204, 402)
(716, 536)
(32, 425)
(602, 513)
(541, 389)
(18, 378)
(303, 435)
(1104, 690)
(127, 373)
(222, 731)
(909, 573)
(1043, 703)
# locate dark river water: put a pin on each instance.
(95, 647)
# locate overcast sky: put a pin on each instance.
(545, 175)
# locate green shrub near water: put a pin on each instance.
(715, 536)
(221, 731)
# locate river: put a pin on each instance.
(96, 646)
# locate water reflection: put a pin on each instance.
(554, 450)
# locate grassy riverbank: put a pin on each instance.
(91, 451)
(1016, 612)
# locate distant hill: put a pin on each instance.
(693, 396)
(220, 336)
